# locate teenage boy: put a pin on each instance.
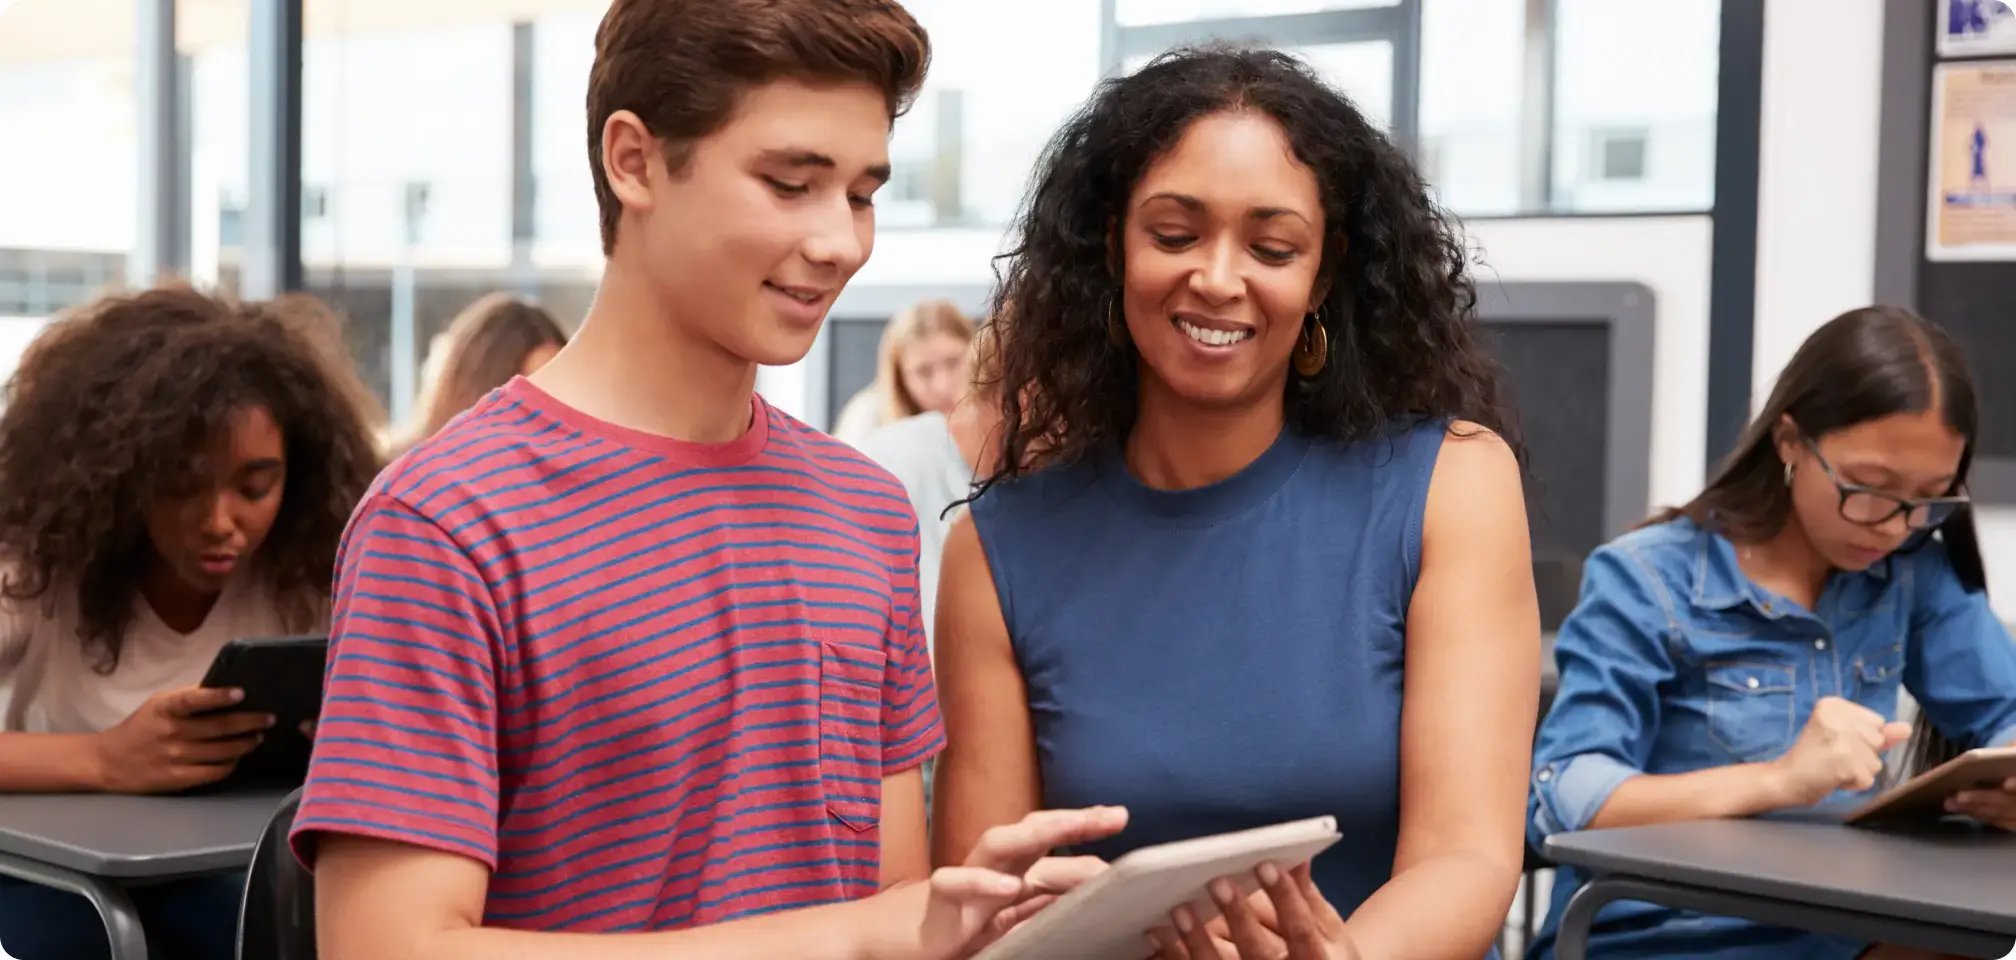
(624, 662)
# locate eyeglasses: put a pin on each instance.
(1871, 508)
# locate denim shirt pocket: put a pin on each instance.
(1876, 676)
(1751, 707)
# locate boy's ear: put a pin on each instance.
(631, 156)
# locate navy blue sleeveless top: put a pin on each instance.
(1225, 657)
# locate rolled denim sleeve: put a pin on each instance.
(1612, 654)
(1960, 664)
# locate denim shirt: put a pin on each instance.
(1674, 661)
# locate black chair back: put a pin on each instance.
(278, 919)
(1557, 579)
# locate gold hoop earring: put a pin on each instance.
(1312, 349)
(1788, 473)
(1116, 323)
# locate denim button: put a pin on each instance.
(1546, 774)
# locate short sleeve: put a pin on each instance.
(911, 729)
(406, 746)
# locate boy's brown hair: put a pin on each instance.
(682, 65)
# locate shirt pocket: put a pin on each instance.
(850, 732)
(1750, 708)
(1876, 674)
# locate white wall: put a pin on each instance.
(67, 177)
(16, 333)
(1997, 527)
(1816, 209)
(1668, 254)
(1816, 229)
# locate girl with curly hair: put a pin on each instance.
(175, 472)
(1256, 548)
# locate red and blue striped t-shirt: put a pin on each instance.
(651, 684)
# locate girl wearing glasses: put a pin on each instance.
(1743, 654)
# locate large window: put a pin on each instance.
(69, 172)
(211, 44)
(1569, 106)
(1366, 49)
(1634, 105)
(410, 214)
(1512, 107)
(1143, 12)
(1473, 77)
(443, 142)
(1001, 83)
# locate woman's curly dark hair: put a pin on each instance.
(111, 409)
(1403, 340)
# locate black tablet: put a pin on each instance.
(281, 676)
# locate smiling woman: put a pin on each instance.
(1256, 482)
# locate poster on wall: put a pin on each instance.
(1971, 212)
(1969, 28)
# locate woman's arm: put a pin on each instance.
(1959, 663)
(1471, 694)
(146, 753)
(176, 740)
(1592, 750)
(987, 775)
(49, 763)
(1740, 790)
(1840, 748)
(1614, 657)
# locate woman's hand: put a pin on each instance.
(176, 740)
(1301, 924)
(1840, 748)
(1995, 807)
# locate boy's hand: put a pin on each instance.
(178, 739)
(1005, 880)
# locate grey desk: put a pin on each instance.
(1949, 889)
(91, 845)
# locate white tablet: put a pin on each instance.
(1108, 918)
